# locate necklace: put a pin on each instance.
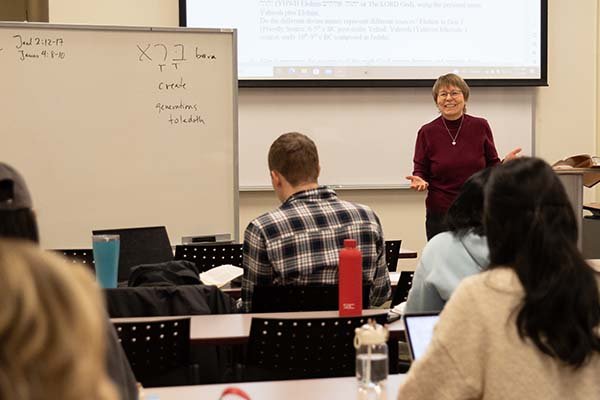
(457, 131)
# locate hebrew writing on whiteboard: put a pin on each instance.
(171, 57)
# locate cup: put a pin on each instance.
(106, 259)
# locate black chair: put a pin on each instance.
(162, 301)
(209, 256)
(392, 253)
(403, 287)
(275, 298)
(81, 256)
(144, 245)
(158, 351)
(299, 348)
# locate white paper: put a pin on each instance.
(221, 275)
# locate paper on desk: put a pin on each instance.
(221, 275)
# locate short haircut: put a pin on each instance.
(295, 156)
(448, 80)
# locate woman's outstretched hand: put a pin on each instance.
(417, 183)
(512, 154)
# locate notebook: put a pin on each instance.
(146, 245)
(419, 331)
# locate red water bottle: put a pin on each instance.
(350, 280)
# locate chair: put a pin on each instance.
(146, 301)
(403, 287)
(392, 253)
(209, 256)
(298, 348)
(276, 298)
(158, 351)
(145, 245)
(163, 301)
(81, 256)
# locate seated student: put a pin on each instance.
(52, 328)
(527, 327)
(451, 256)
(18, 221)
(298, 243)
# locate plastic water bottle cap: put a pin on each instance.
(370, 333)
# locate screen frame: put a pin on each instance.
(407, 330)
(361, 83)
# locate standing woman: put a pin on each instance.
(449, 150)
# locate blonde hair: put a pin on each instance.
(52, 328)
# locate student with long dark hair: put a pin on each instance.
(529, 327)
(451, 256)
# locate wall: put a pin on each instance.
(13, 10)
(566, 112)
(115, 12)
(597, 90)
(24, 10)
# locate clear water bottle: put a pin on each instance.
(371, 361)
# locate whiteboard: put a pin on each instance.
(366, 137)
(122, 127)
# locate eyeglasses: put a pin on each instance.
(454, 94)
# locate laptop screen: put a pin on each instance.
(419, 331)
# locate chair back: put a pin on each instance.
(145, 245)
(209, 256)
(298, 348)
(392, 253)
(81, 256)
(155, 348)
(162, 301)
(403, 287)
(276, 298)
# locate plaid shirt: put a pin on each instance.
(299, 243)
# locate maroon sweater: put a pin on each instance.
(446, 167)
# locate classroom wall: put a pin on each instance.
(115, 12)
(597, 91)
(566, 119)
(14, 10)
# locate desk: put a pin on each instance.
(314, 389)
(221, 329)
(236, 292)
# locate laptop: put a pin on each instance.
(419, 331)
(145, 245)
